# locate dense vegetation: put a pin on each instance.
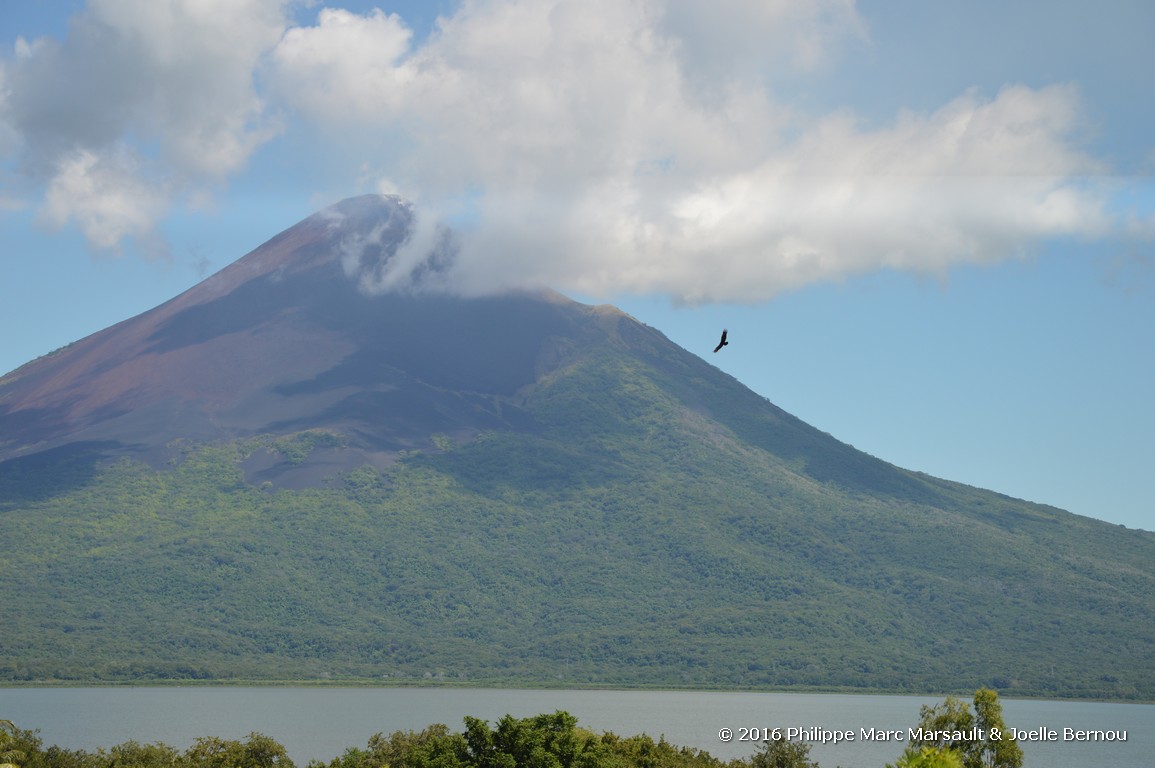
(543, 741)
(659, 524)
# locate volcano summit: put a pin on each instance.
(292, 471)
(291, 338)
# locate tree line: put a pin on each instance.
(948, 735)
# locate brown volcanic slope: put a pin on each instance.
(283, 341)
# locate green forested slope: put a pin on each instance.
(659, 525)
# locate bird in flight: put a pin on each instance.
(723, 342)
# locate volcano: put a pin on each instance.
(289, 472)
(288, 339)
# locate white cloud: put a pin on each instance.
(754, 38)
(176, 77)
(588, 159)
(108, 198)
(347, 64)
(601, 146)
(978, 181)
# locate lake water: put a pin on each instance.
(320, 723)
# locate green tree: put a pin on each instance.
(11, 756)
(981, 738)
(130, 754)
(433, 747)
(258, 751)
(999, 749)
(929, 757)
(543, 741)
(612, 751)
(58, 757)
(782, 753)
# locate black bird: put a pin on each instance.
(723, 342)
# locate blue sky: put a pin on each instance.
(928, 226)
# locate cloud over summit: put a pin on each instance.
(607, 146)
